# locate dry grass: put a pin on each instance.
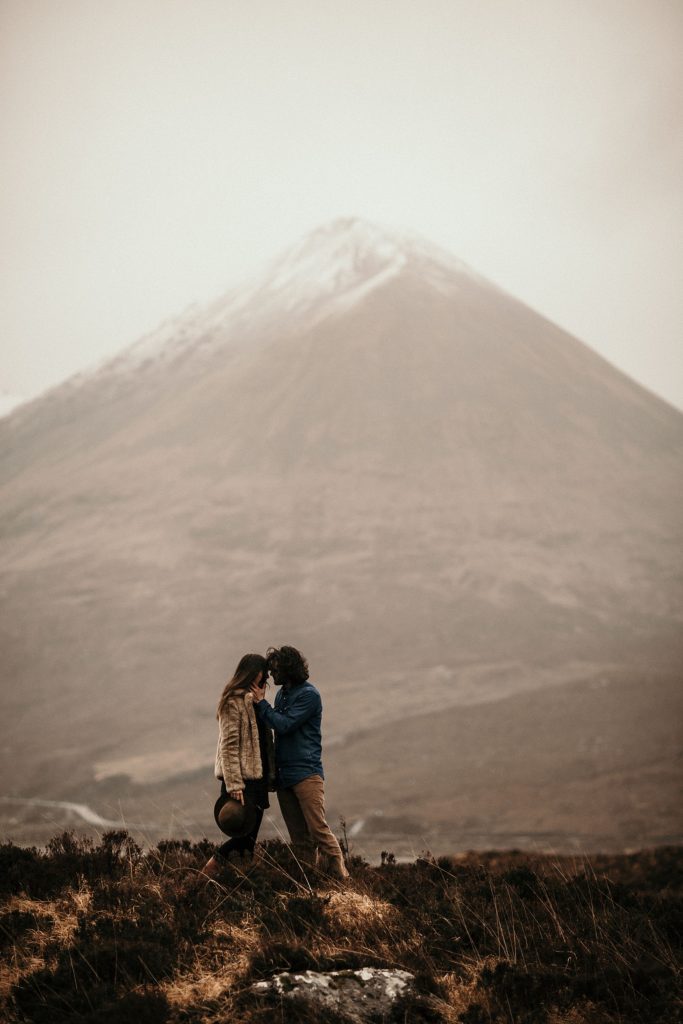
(105, 933)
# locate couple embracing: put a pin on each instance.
(249, 764)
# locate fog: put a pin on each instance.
(155, 152)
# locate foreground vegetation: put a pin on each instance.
(102, 933)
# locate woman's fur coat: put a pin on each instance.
(238, 757)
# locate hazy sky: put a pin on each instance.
(154, 151)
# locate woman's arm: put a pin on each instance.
(230, 750)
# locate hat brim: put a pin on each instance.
(236, 819)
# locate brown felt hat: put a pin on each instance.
(235, 819)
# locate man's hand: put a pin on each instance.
(237, 794)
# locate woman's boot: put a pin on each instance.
(213, 868)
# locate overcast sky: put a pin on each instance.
(154, 151)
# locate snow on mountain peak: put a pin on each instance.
(337, 264)
(349, 251)
(327, 270)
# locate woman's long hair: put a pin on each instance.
(246, 673)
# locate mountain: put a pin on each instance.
(368, 451)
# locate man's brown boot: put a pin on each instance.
(335, 867)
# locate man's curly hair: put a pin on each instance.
(287, 666)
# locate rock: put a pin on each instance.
(360, 995)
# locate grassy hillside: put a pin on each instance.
(105, 933)
(598, 759)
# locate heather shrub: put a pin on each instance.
(100, 932)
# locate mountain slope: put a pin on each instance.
(589, 751)
(370, 452)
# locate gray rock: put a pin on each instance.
(361, 994)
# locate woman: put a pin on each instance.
(245, 764)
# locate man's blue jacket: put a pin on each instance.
(295, 719)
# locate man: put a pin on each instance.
(295, 719)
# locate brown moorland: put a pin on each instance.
(100, 933)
